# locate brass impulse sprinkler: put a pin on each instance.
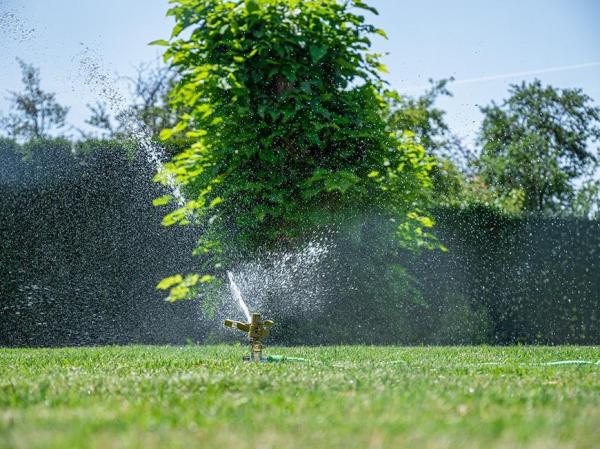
(257, 330)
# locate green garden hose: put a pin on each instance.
(283, 358)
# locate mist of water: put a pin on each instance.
(285, 284)
(14, 28)
(91, 70)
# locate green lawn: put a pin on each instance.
(343, 397)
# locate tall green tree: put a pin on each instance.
(421, 116)
(285, 105)
(586, 202)
(34, 112)
(539, 141)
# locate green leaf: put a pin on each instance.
(178, 28)
(196, 133)
(166, 134)
(252, 6)
(289, 74)
(162, 201)
(178, 293)
(380, 32)
(218, 200)
(382, 68)
(341, 181)
(317, 52)
(362, 5)
(190, 280)
(160, 42)
(169, 282)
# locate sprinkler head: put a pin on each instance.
(256, 330)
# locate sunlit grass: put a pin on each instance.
(347, 397)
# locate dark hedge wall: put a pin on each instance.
(532, 280)
(503, 280)
(81, 249)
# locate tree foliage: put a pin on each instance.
(453, 182)
(421, 116)
(285, 105)
(537, 142)
(35, 113)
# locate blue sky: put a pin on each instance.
(81, 46)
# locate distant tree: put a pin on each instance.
(586, 202)
(99, 118)
(149, 90)
(420, 116)
(35, 113)
(538, 142)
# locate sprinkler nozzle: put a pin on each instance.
(256, 330)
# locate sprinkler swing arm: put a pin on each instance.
(257, 329)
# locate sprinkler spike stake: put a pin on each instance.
(256, 330)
